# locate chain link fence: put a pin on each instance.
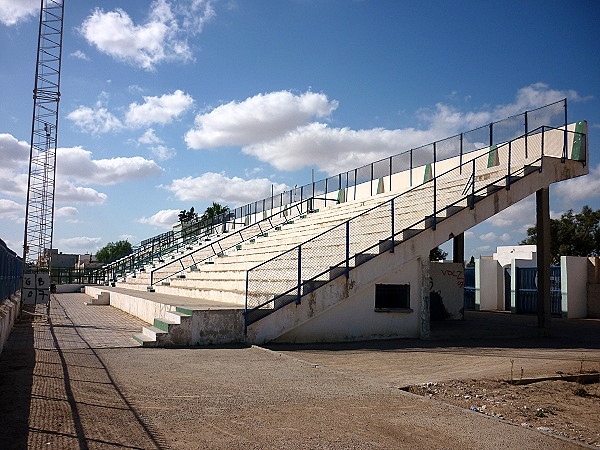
(304, 268)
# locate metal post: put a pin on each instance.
(410, 167)
(491, 134)
(371, 182)
(391, 173)
(461, 154)
(508, 166)
(542, 198)
(393, 225)
(299, 274)
(526, 134)
(347, 249)
(473, 186)
(542, 150)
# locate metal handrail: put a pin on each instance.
(493, 131)
(298, 248)
(299, 207)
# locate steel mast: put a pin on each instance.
(39, 216)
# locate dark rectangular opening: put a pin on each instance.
(392, 296)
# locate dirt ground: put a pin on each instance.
(564, 408)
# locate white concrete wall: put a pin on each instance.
(573, 280)
(146, 310)
(489, 284)
(355, 317)
(505, 254)
(9, 309)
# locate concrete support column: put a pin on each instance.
(425, 325)
(458, 248)
(542, 199)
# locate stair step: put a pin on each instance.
(410, 232)
(362, 258)
(309, 286)
(493, 188)
(176, 316)
(153, 332)
(144, 340)
(163, 324)
(387, 245)
(451, 210)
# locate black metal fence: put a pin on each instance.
(11, 269)
(61, 275)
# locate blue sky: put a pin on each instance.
(170, 104)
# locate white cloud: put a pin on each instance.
(12, 12)
(161, 109)
(66, 211)
(334, 150)
(581, 188)
(162, 152)
(277, 128)
(161, 38)
(521, 213)
(95, 120)
(258, 118)
(127, 237)
(165, 218)
(11, 210)
(13, 153)
(80, 55)
(81, 243)
(149, 138)
(219, 188)
(67, 192)
(493, 237)
(77, 163)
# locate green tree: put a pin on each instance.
(188, 216)
(437, 254)
(113, 251)
(214, 210)
(572, 234)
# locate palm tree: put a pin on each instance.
(214, 210)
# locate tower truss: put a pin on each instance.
(39, 216)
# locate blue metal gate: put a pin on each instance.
(527, 290)
(469, 287)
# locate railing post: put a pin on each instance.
(299, 275)
(393, 225)
(355, 182)
(491, 134)
(246, 305)
(410, 168)
(526, 134)
(434, 203)
(508, 166)
(391, 173)
(473, 185)
(542, 150)
(461, 154)
(371, 182)
(347, 249)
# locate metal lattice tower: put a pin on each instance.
(39, 216)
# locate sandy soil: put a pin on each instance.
(563, 408)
